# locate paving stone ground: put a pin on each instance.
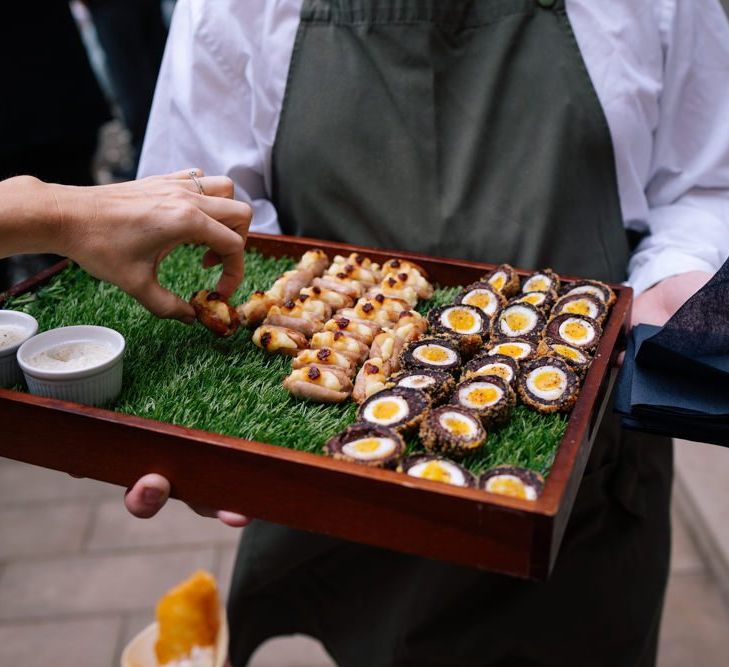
(79, 577)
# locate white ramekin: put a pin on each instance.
(10, 373)
(94, 385)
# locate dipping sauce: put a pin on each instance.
(11, 336)
(71, 357)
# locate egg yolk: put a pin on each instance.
(547, 380)
(567, 352)
(498, 281)
(533, 299)
(504, 372)
(483, 396)
(458, 426)
(436, 472)
(578, 308)
(385, 410)
(434, 354)
(513, 351)
(508, 486)
(516, 321)
(461, 320)
(481, 300)
(367, 446)
(538, 285)
(576, 331)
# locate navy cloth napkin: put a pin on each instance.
(675, 379)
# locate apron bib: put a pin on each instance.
(467, 129)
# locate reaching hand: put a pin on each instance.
(658, 304)
(120, 233)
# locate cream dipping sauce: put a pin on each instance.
(10, 336)
(71, 357)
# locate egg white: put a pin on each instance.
(529, 491)
(457, 416)
(491, 302)
(537, 277)
(418, 353)
(385, 447)
(457, 477)
(550, 394)
(582, 341)
(588, 289)
(473, 386)
(402, 412)
(475, 328)
(530, 315)
(487, 369)
(416, 381)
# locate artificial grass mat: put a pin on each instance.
(187, 376)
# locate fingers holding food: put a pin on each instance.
(215, 313)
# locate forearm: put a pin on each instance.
(30, 218)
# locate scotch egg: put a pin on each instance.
(542, 281)
(437, 384)
(518, 349)
(593, 287)
(574, 330)
(586, 305)
(513, 482)
(467, 325)
(490, 397)
(482, 296)
(540, 300)
(435, 353)
(503, 279)
(399, 408)
(507, 368)
(368, 444)
(520, 320)
(548, 384)
(452, 430)
(577, 359)
(436, 469)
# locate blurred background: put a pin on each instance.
(78, 576)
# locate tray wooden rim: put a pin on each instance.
(553, 506)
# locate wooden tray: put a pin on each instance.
(312, 492)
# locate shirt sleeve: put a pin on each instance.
(205, 112)
(688, 190)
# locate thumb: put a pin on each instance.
(163, 303)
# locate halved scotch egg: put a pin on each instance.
(513, 482)
(507, 368)
(594, 287)
(368, 444)
(586, 305)
(467, 325)
(452, 430)
(503, 279)
(542, 281)
(580, 361)
(215, 313)
(548, 384)
(435, 353)
(490, 397)
(541, 300)
(520, 320)
(398, 408)
(575, 330)
(483, 296)
(437, 384)
(436, 469)
(519, 349)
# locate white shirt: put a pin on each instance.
(660, 69)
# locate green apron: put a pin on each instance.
(467, 129)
